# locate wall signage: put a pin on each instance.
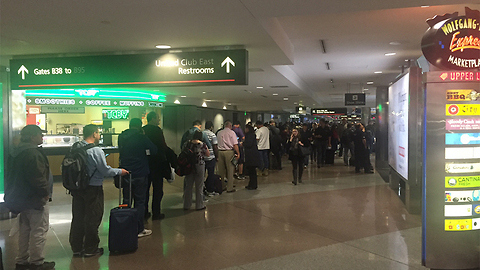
(62, 109)
(462, 182)
(458, 210)
(462, 95)
(354, 99)
(452, 41)
(462, 109)
(229, 67)
(451, 167)
(115, 114)
(330, 111)
(462, 196)
(462, 138)
(462, 124)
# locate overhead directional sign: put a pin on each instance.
(229, 67)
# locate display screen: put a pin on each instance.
(398, 99)
(115, 114)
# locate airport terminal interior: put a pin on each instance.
(335, 219)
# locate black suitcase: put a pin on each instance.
(123, 226)
(218, 184)
(329, 156)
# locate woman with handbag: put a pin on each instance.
(252, 157)
(296, 156)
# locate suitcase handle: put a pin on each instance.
(120, 204)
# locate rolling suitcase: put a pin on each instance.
(123, 226)
(329, 156)
(218, 184)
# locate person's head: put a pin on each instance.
(209, 125)
(358, 126)
(295, 132)
(90, 132)
(349, 125)
(135, 123)
(272, 122)
(304, 126)
(236, 124)
(323, 123)
(249, 128)
(197, 135)
(153, 119)
(31, 134)
(227, 124)
(197, 123)
(344, 121)
(259, 124)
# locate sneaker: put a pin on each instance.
(265, 172)
(99, 251)
(144, 233)
(241, 177)
(44, 266)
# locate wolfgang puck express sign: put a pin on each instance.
(452, 41)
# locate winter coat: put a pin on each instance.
(252, 156)
(134, 148)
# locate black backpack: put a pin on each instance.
(186, 160)
(74, 167)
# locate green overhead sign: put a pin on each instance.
(228, 67)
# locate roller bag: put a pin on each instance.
(218, 184)
(123, 226)
(329, 156)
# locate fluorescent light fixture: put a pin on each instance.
(365, 89)
(204, 104)
(183, 96)
(390, 54)
(424, 6)
(208, 100)
(224, 107)
(394, 43)
(176, 101)
(229, 104)
(369, 82)
(204, 92)
(377, 72)
(285, 98)
(275, 94)
(259, 87)
(300, 109)
(163, 46)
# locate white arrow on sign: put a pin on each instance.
(23, 70)
(227, 62)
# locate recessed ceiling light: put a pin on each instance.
(229, 104)
(163, 46)
(176, 101)
(224, 107)
(183, 96)
(204, 104)
(390, 54)
(275, 94)
(377, 72)
(204, 92)
(295, 103)
(259, 87)
(369, 82)
(365, 89)
(285, 98)
(394, 43)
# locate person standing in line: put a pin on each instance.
(27, 192)
(211, 160)
(227, 148)
(158, 164)
(88, 204)
(252, 157)
(323, 137)
(362, 156)
(313, 154)
(197, 175)
(240, 137)
(306, 139)
(341, 129)
(134, 148)
(275, 145)
(347, 145)
(263, 140)
(188, 135)
(296, 156)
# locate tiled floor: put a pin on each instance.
(336, 219)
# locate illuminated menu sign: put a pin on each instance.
(452, 41)
(462, 109)
(462, 124)
(222, 67)
(462, 95)
(115, 114)
(330, 111)
(462, 182)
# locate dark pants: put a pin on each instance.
(264, 159)
(321, 152)
(87, 212)
(210, 181)
(297, 164)
(362, 160)
(277, 158)
(139, 192)
(313, 156)
(155, 178)
(252, 175)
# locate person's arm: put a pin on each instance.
(235, 147)
(206, 140)
(101, 164)
(37, 175)
(207, 152)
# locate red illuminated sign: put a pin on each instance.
(460, 76)
(452, 41)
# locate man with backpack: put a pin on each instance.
(88, 203)
(188, 135)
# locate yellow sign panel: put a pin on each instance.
(462, 95)
(462, 182)
(458, 225)
(462, 109)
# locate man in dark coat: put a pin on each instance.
(158, 164)
(362, 155)
(27, 191)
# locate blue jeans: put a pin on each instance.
(139, 194)
(263, 159)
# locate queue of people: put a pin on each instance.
(231, 153)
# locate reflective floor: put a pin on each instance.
(336, 219)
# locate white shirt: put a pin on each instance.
(263, 138)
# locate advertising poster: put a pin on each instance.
(398, 126)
